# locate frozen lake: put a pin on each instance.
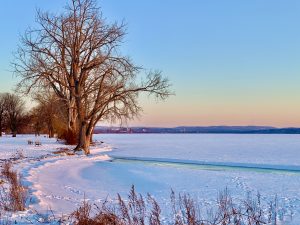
(231, 148)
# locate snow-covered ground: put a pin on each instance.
(199, 164)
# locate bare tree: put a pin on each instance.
(46, 110)
(2, 111)
(76, 54)
(37, 120)
(14, 107)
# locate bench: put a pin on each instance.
(37, 143)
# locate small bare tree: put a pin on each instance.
(2, 111)
(38, 121)
(46, 110)
(76, 54)
(14, 107)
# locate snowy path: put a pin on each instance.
(56, 182)
(29, 159)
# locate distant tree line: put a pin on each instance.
(47, 117)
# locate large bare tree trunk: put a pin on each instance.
(92, 133)
(86, 144)
(81, 134)
(72, 117)
(84, 138)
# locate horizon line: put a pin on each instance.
(150, 126)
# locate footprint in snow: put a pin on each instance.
(73, 190)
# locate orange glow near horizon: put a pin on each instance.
(174, 112)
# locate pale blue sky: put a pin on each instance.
(231, 62)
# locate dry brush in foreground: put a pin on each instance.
(141, 210)
(14, 196)
(137, 210)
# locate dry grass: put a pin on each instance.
(133, 211)
(70, 137)
(64, 151)
(136, 210)
(15, 199)
(18, 155)
(6, 170)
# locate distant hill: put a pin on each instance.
(201, 129)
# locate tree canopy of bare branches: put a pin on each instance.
(15, 110)
(49, 109)
(76, 54)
